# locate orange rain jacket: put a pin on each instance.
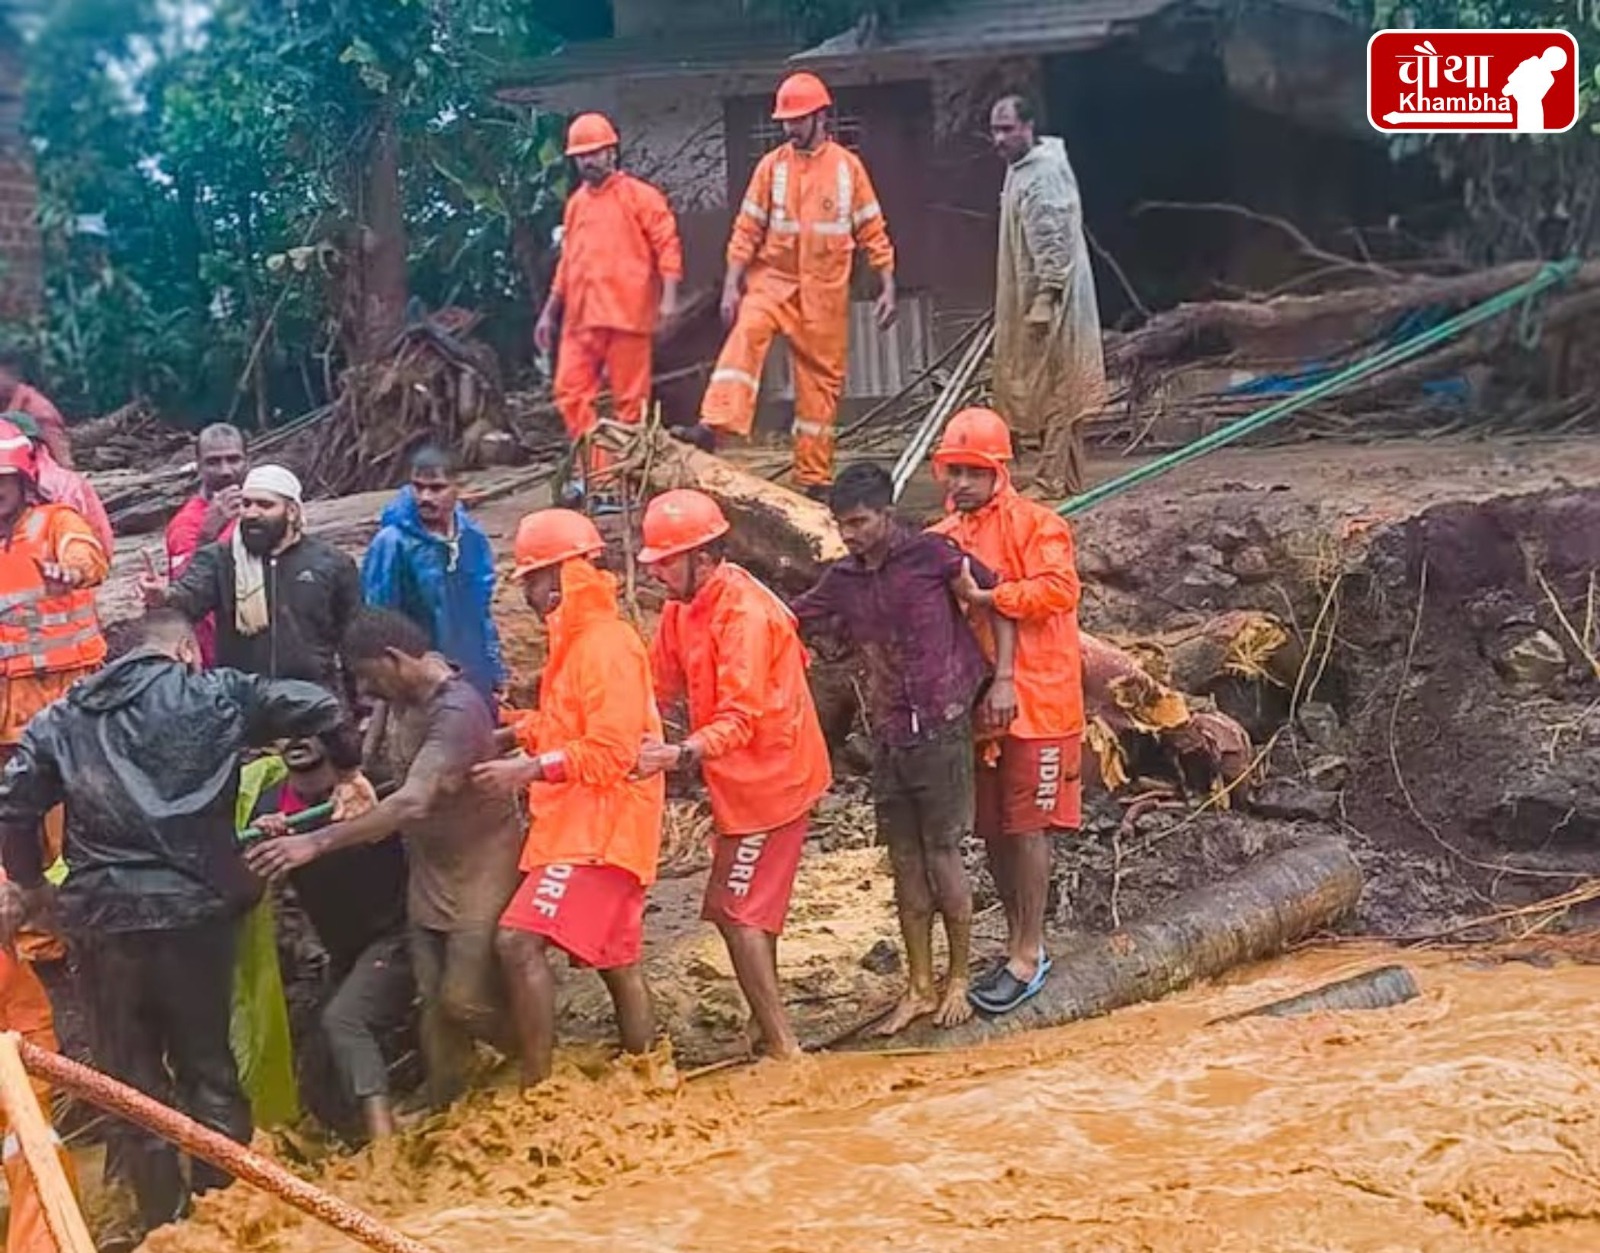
(1030, 548)
(618, 242)
(734, 651)
(48, 640)
(596, 708)
(797, 229)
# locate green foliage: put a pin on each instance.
(228, 164)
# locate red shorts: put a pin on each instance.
(592, 913)
(752, 876)
(1034, 786)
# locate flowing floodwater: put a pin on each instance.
(1468, 1119)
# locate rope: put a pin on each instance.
(1551, 274)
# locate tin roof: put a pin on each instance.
(964, 29)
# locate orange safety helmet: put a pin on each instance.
(679, 522)
(590, 132)
(975, 437)
(17, 454)
(551, 536)
(800, 95)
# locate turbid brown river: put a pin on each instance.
(1466, 1120)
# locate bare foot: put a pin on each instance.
(755, 1039)
(913, 1005)
(954, 1007)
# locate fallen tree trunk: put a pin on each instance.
(1383, 988)
(781, 534)
(1254, 915)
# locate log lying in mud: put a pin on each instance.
(1255, 914)
(783, 535)
(1383, 988)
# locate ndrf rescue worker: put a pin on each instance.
(732, 649)
(1028, 784)
(595, 839)
(620, 267)
(809, 205)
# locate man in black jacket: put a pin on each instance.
(282, 598)
(145, 757)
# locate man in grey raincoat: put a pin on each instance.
(1048, 372)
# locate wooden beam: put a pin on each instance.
(41, 1152)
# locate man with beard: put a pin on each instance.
(809, 205)
(731, 649)
(211, 514)
(621, 263)
(283, 599)
(433, 563)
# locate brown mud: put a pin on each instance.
(1428, 704)
(1468, 1119)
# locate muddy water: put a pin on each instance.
(1466, 1120)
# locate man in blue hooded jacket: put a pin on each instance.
(433, 563)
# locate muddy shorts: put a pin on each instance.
(1030, 787)
(753, 875)
(922, 794)
(592, 913)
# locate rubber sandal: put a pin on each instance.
(1008, 991)
(991, 971)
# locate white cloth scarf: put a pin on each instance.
(250, 614)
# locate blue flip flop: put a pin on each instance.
(1007, 991)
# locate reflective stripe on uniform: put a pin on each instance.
(844, 189)
(814, 430)
(780, 195)
(866, 213)
(752, 210)
(39, 649)
(729, 374)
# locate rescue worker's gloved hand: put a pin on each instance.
(353, 797)
(1042, 312)
(58, 576)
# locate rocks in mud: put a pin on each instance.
(1293, 801)
(883, 958)
(1250, 565)
(1320, 722)
(1529, 657)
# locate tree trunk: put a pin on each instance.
(1255, 914)
(382, 244)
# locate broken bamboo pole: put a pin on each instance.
(40, 1152)
(1253, 915)
(209, 1146)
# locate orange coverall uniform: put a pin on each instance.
(595, 709)
(734, 652)
(619, 241)
(802, 218)
(1030, 548)
(25, 1009)
(47, 641)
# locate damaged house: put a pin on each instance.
(1159, 101)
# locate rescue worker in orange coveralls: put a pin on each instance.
(595, 838)
(1028, 786)
(50, 638)
(732, 649)
(25, 1009)
(809, 205)
(620, 267)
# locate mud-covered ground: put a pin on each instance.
(1456, 745)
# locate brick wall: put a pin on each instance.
(21, 261)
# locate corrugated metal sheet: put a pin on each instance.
(978, 28)
(879, 364)
(706, 52)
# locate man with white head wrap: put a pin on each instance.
(282, 598)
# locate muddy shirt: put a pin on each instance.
(922, 661)
(463, 856)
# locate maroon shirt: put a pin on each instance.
(923, 663)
